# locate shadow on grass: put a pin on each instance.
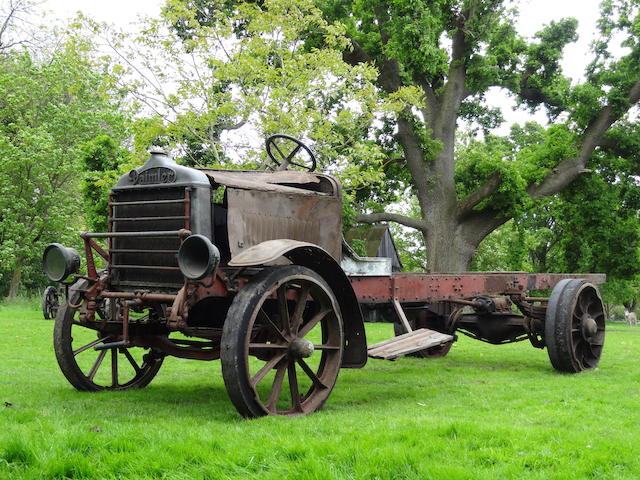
(206, 399)
(198, 402)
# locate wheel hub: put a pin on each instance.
(301, 348)
(589, 327)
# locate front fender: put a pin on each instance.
(313, 257)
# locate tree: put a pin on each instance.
(50, 110)
(102, 158)
(216, 88)
(12, 23)
(435, 61)
(453, 52)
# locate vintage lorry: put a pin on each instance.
(250, 267)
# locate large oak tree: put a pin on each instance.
(435, 62)
(454, 52)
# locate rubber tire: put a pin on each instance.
(64, 352)
(234, 362)
(557, 327)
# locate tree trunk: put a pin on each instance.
(449, 248)
(15, 279)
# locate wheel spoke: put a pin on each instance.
(293, 154)
(114, 367)
(296, 319)
(311, 374)
(578, 353)
(267, 346)
(584, 303)
(307, 327)
(283, 307)
(266, 368)
(96, 365)
(132, 361)
(276, 387)
(89, 345)
(592, 349)
(326, 347)
(293, 386)
(283, 157)
(273, 326)
(576, 339)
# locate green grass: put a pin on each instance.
(481, 412)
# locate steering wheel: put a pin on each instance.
(286, 159)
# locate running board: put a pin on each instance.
(408, 343)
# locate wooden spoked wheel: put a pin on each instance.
(574, 326)
(282, 343)
(87, 369)
(50, 303)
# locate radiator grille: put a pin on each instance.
(147, 262)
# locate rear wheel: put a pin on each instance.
(282, 343)
(574, 326)
(50, 303)
(93, 370)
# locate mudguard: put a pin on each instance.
(313, 257)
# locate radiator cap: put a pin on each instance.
(155, 149)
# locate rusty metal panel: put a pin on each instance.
(258, 216)
(288, 181)
(418, 287)
(266, 252)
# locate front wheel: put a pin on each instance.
(574, 326)
(93, 370)
(282, 343)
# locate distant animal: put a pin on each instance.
(631, 318)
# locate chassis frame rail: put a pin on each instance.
(425, 288)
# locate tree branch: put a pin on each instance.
(608, 143)
(454, 90)
(466, 205)
(389, 76)
(432, 101)
(568, 170)
(391, 217)
(535, 94)
(414, 156)
(356, 54)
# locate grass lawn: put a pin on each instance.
(481, 412)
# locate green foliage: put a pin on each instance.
(102, 158)
(50, 110)
(505, 249)
(272, 66)
(592, 226)
(244, 67)
(521, 160)
(410, 246)
(621, 292)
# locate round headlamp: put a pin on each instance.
(58, 262)
(198, 257)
